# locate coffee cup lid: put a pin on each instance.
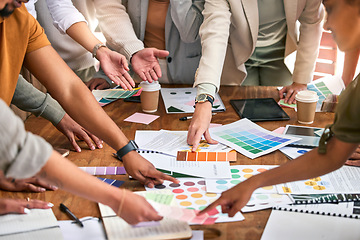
(146, 86)
(307, 96)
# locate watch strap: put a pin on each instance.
(131, 146)
(96, 47)
(208, 98)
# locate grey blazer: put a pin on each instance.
(182, 38)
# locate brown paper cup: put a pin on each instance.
(306, 106)
(149, 96)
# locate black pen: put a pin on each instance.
(64, 209)
(189, 117)
(185, 118)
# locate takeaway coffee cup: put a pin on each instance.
(149, 96)
(306, 106)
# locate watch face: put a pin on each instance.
(201, 97)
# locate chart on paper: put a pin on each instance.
(249, 138)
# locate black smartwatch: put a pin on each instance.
(131, 146)
(204, 98)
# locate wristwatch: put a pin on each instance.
(96, 47)
(131, 146)
(204, 98)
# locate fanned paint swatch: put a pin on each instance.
(104, 170)
(112, 182)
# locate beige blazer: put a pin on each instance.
(229, 33)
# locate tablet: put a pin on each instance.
(259, 109)
(310, 136)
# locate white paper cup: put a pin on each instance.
(306, 106)
(149, 96)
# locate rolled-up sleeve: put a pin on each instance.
(23, 154)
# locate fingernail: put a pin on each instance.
(50, 204)
(54, 188)
(26, 210)
(92, 148)
(100, 145)
(42, 189)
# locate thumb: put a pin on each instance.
(160, 53)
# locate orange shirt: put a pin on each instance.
(20, 34)
(155, 24)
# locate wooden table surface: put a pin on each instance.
(254, 223)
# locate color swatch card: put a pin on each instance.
(170, 142)
(182, 100)
(207, 156)
(112, 182)
(323, 87)
(190, 168)
(107, 96)
(260, 201)
(239, 173)
(141, 118)
(104, 170)
(191, 193)
(343, 180)
(249, 138)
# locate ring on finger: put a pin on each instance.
(28, 199)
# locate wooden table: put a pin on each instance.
(254, 223)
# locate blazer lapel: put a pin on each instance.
(252, 15)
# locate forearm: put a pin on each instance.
(309, 165)
(82, 35)
(73, 95)
(65, 175)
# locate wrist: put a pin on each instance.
(131, 146)
(97, 49)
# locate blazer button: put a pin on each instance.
(169, 59)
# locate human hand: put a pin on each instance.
(72, 129)
(232, 200)
(97, 84)
(137, 209)
(115, 67)
(146, 65)
(32, 184)
(21, 206)
(291, 91)
(356, 154)
(200, 125)
(142, 170)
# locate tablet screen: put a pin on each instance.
(259, 109)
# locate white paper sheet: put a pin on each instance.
(93, 229)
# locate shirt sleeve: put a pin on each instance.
(117, 28)
(64, 14)
(346, 125)
(37, 37)
(30, 99)
(22, 153)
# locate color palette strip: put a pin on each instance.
(206, 156)
(112, 182)
(104, 170)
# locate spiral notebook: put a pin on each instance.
(285, 224)
(324, 198)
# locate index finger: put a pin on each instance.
(210, 207)
(162, 176)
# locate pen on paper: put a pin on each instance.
(64, 209)
(189, 117)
